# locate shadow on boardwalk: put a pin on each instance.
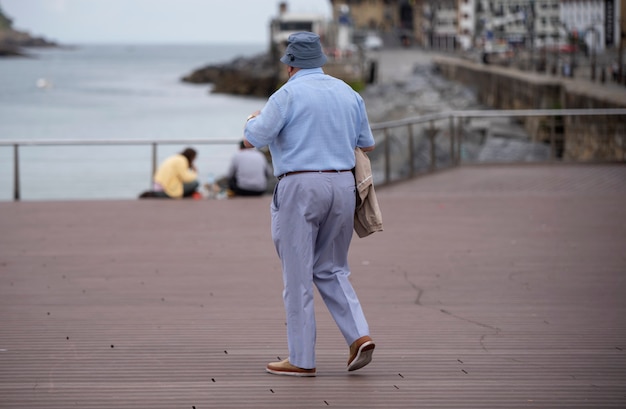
(491, 287)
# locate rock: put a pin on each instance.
(9, 36)
(11, 40)
(252, 76)
(10, 51)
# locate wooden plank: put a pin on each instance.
(491, 287)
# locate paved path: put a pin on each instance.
(491, 287)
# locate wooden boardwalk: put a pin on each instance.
(491, 287)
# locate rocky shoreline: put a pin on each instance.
(259, 75)
(250, 76)
(408, 84)
(13, 42)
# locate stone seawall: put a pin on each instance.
(579, 138)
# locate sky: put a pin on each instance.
(152, 21)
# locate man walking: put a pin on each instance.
(312, 125)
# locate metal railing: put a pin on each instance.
(430, 142)
(426, 143)
(97, 142)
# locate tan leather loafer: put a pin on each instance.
(361, 352)
(285, 368)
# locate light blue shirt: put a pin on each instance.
(313, 122)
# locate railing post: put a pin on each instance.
(451, 121)
(411, 159)
(387, 156)
(433, 156)
(154, 162)
(459, 140)
(553, 138)
(16, 173)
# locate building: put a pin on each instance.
(398, 19)
(441, 24)
(466, 17)
(528, 23)
(595, 22)
(467, 24)
(380, 15)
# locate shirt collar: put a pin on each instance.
(307, 71)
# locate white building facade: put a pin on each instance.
(467, 23)
(527, 23)
(596, 22)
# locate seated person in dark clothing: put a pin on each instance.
(248, 172)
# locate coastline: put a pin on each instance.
(13, 42)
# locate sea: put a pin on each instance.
(111, 93)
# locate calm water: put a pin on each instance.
(112, 92)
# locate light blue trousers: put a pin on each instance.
(312, 226)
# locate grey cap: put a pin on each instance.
(304, 50)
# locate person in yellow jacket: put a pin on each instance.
(177, 176)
